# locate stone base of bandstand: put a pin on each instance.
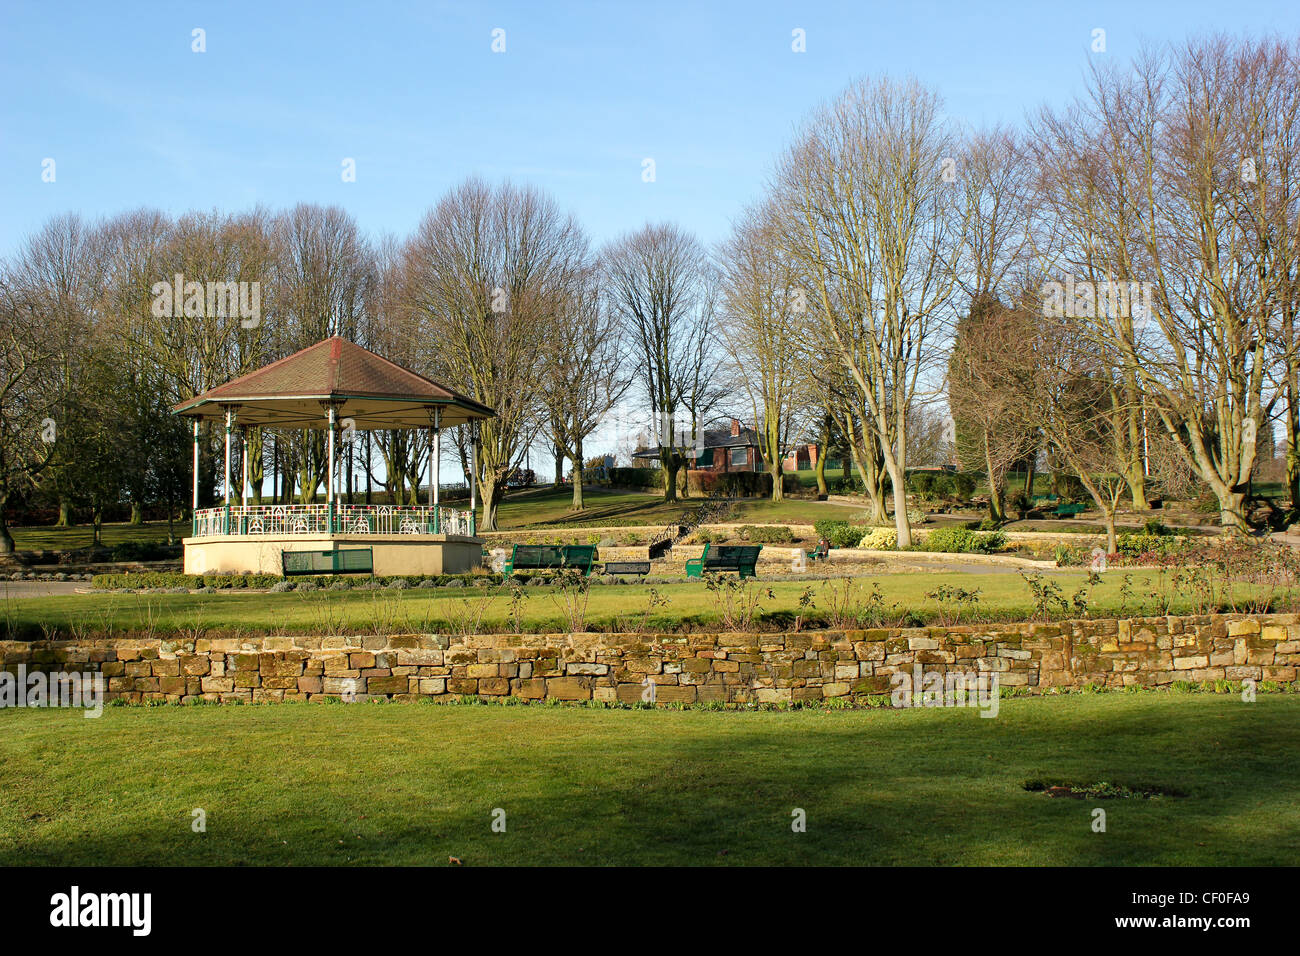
(394, 554)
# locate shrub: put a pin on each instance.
(963, 486)
(1154, 526)
(766, 535)
(953, 540)
(1131, 545)
(879, 539)
(839, 533)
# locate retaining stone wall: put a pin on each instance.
(731, 667)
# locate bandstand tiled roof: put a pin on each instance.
(366, 388)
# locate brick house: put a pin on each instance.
(725, 449)
(801, 458)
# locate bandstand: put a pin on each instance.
(332, 384)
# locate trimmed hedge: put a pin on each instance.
(737, 484)
(223, 582)
(936, 484)
(764, 535)
(636, 477)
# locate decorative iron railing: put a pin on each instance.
(331, 519)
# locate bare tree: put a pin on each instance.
(761, 324)
(487, 272)
(984, 377)
(586, 372)
(31, 392)
(662, 290)
(1154, 182)
(1069, 395)
(873, 220)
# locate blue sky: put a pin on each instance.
(583, 93)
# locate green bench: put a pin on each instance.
(626, 567)
(739, 558)
(337, 561)
(550, 557)
(819, 553)
(1069, 511)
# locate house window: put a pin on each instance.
(739, 457)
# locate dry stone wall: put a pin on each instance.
(686, 668)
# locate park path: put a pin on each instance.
(30, 589)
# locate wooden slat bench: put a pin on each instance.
(739, 558)
(626, 567)
(1069, 511)
(550, 557)
(337, 561)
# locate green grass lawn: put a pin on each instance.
(50, 538)
(1002, 596)
(539, 510)
(415, 784)
(551, 509)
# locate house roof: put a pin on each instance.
(366, 388)
(714, 438)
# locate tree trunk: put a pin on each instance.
(778, 492)
(66, 519)
(491, 490)
(1136, 474)
(559, 466)
(820, 470)
(97, 526)
(370, 461)
(137, 512)
(870, 474)
(6, 539)
(1030, 465)
(997, 495)
(1292, 440)
(901, 523)
(1232, 511)
(670, 477)
(1112, 539)
(577, 481)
